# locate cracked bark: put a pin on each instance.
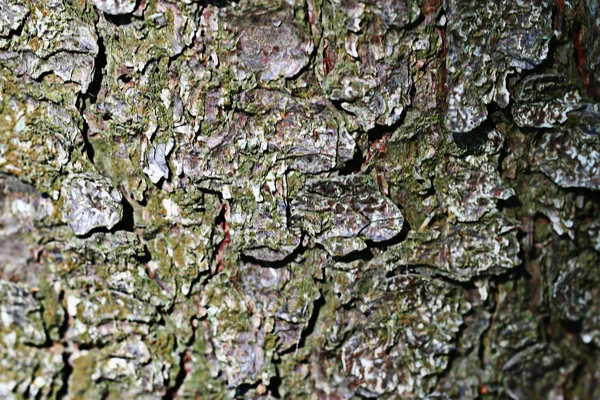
(327, 199)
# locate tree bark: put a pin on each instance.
(329, 199)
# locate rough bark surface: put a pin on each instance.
(326, 199)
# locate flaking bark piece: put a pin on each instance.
(570, 159)
(544, 100)
(483, 50)
(461, 251)
(115, 7)
(470, 187)
(89, 203)
(398, 333)
(12, 15)
(272, 46)
(342, 212)
(53, 40)
(362, 61)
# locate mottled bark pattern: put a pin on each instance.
(300, 199)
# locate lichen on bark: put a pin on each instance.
(325, 199)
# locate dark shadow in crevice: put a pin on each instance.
(65, 373)
(96, 345)
(64, 326)
(504, 153)
(144, 258)
(127, 222)
(374, 135)
(511, 203)
(100, 229)
(573, 327)
(121, 19)
(19, 29)
(365, 255)
(184, 358)
(588, 194)
(379, 131)
(312, 323)
(40, 78)
(293, 256)
(274, 385)
(354, 165)
(385, 244)
(217, 3)
(473, 142)
(412, 26)
(100, 64)
(88, 149)
(220, 219)
(92, 95)
(201, 277)
(242, 390)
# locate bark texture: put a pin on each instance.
(325, 199)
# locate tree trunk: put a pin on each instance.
(328, 199)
